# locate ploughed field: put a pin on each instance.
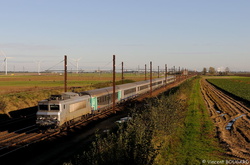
(238, 86)
(231, 115)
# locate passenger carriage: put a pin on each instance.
(101, 99)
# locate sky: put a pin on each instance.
(190, 34)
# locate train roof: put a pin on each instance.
(99, 92)
(126, 86)
(142, 82)
(158, 79)
(64, 97)
(169, 77)
(109, 90)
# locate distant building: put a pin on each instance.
(220, 69)
(185, 72)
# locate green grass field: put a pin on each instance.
(239, 86)
(57, 80)
(197, 142)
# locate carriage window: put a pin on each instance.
(54, 107)
(128, 91)
(43, 107)
(143, 87)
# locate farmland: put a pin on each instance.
(17, 82)
(20, 91)
(231, 117)
(238, 86)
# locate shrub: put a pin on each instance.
(2, 104)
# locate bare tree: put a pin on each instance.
(211, 70)
(227, 70)
(204, 71)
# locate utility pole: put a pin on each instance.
(166, 74)
(113, 83)
(122, 73)
(65, 73)
(151, 76)
(174, 73)
(145, 71)
(158, 71)
(179, 73)
(186, 73)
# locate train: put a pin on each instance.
(70, 107)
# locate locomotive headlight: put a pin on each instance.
(55, 117)
(41, 118)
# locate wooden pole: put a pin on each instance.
(65, 73)
(174, 73)
(151, 76)
(179, 73)
(145, 71)
(122, 73)
(113, 83)
(158, 71)
(166, 74)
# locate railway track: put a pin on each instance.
(13, 141)
(14, 121)
(18, 139)
(232, 120)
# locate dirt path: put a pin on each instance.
(232, 120)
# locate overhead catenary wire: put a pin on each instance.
(106, 67)
(55, 65)
(110, 62)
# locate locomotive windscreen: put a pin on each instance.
(43, 107)
(54, 107)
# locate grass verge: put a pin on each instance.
(194, 141)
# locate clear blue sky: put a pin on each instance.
(187, 33)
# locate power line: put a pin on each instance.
(56, 65)
(107, 64)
